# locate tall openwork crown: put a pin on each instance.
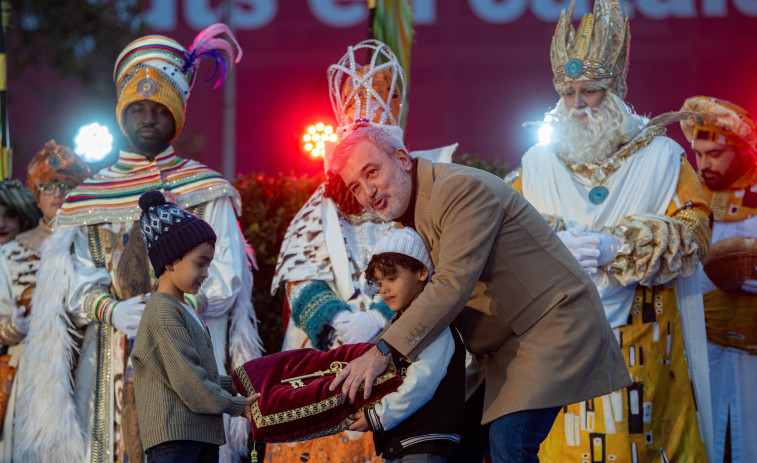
(373, 93)
(597, 51)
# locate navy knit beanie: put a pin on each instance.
(169, 231)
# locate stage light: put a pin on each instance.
(93, 142)
(317, 137)
(545, 131)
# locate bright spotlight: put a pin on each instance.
(317, 137)
(93, 142)
(545, 131)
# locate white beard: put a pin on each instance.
(594, 138)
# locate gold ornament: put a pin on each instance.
(597, 51)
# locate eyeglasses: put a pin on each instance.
(48, 189)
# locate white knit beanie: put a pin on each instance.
(404, 241)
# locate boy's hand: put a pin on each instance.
(248, 405)
(360, 424)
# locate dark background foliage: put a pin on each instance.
(268, 205)
(82, 46)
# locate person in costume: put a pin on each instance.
(51, 174)
(626, 202)
(724, 139)
(521, 302)
(329, 241)
(18, 210)
(423, 420)
(181, 398)
(95, 293)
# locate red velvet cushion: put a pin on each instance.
(285, 414)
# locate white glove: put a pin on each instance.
(750, 286)
(20, 320)
(582, 246)
(128, 313)
(354, 327)
(608, 247)
(592, 250)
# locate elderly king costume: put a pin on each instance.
(647, 195)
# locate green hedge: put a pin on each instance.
(268, 205)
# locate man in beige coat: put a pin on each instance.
(524, 306)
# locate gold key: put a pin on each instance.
(297, 383)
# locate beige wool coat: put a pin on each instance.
(521, 301)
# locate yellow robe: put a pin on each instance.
(654, 419)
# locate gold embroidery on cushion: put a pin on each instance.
(306, 410)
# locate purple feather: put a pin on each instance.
(207, 45)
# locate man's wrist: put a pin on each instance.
(389, 352)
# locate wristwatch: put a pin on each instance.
(383, 347)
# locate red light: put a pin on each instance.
(316, 137)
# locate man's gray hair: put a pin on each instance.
(380, 138)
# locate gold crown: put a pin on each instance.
(598, 50)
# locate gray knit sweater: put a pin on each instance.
(179, 394)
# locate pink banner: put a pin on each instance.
(480, 68)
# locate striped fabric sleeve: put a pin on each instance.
(99, 304)
(374, 421)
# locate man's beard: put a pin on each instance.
(402, 186)
(593, 138)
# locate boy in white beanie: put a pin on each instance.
(424, 417)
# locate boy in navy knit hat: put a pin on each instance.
(179, 393)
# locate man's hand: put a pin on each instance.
(248, 405)
(360, 424)
(362, 370)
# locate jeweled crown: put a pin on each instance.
(598, 50)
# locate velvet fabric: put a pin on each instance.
(286, 414)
